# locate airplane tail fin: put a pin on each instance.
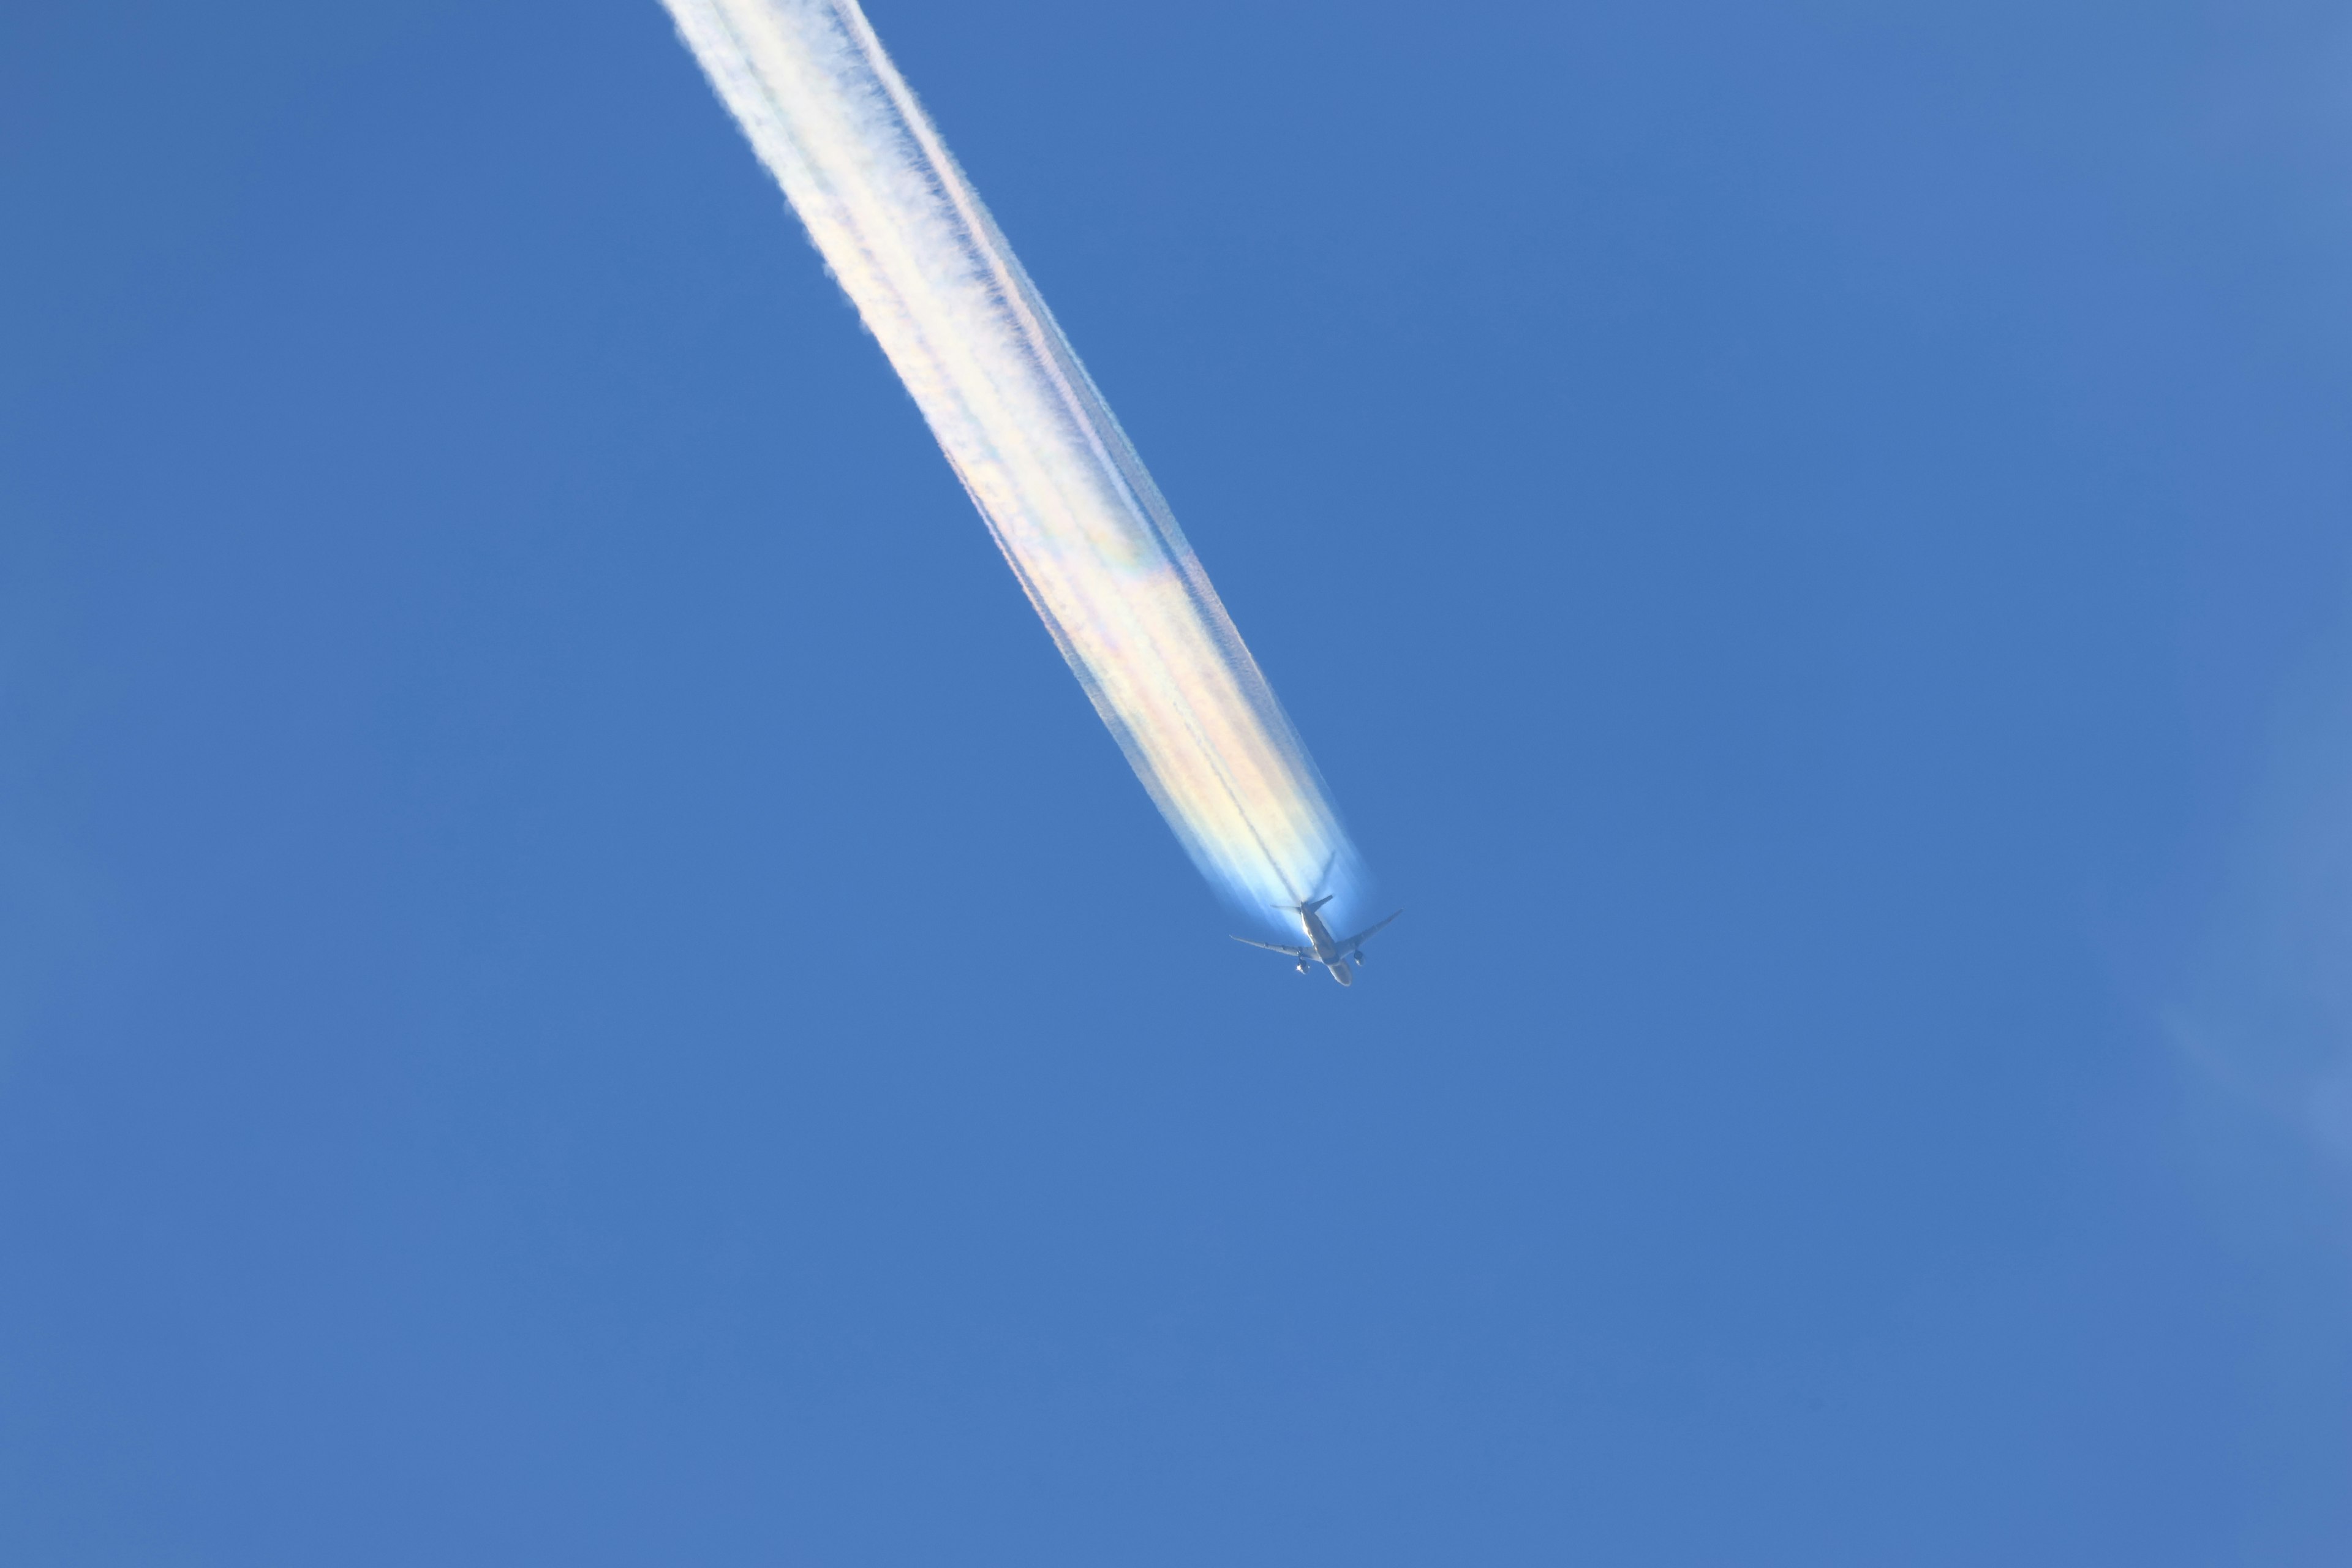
(1322, 879)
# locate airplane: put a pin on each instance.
(1338, 957)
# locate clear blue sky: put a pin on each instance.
(578, 985)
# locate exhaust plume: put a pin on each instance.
(1063, 492)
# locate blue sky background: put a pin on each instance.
(578, 985)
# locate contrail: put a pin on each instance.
(1063, 492)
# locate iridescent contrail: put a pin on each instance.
(1063, 492)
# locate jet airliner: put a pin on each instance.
(1340, 957)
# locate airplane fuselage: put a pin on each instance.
(1326, 948)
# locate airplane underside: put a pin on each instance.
(1337, 955)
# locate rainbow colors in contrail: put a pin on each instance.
(1063, 492)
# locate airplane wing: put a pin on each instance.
(1288, 952)
(1365, 935)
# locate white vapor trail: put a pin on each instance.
(1063, 492)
